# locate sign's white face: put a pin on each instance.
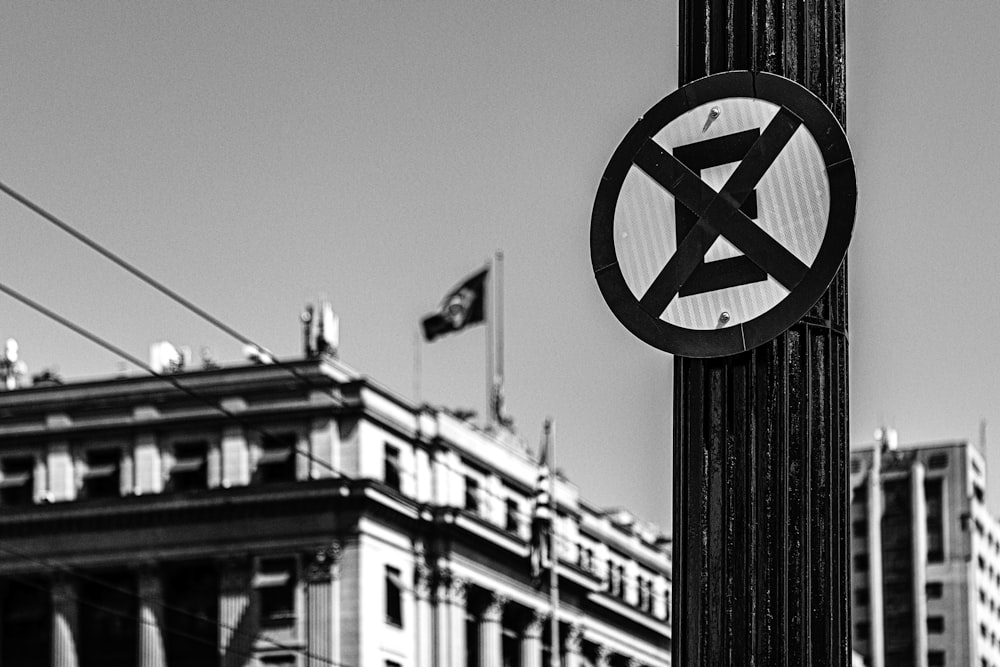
(790, 202)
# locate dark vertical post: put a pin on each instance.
(760, 439)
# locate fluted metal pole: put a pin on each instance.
(760, 569)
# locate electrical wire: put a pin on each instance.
(26, 580)
(171, 379)
(148, 279)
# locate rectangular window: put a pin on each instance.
(862, 631)
(471, 494)
(860, 562)
(614, 579)
(937, 461)
(861, 597)
(275, 583)
(861, 493)
(391, 475)
(645, 594)
(934, 493)
(393, 597)
(934, 590)
(512, 523)
(102, 478)
(935, 659)
(17, 481)
(190, 469)
(859, 528)
(935, 624)
(277, 458)
(280, 660)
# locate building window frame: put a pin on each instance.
(277, 585)
(276, 455)
(394, 596)
(190, 468)
(17, 481)
(392, 468)
(101, 469)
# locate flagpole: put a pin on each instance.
(490, 336)
(554, 657)
(417, 365)
(498, 343)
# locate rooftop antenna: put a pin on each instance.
(12, 369)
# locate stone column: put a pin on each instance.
(531, 640)
(442, 625)
(152, 652)
(320, 573)
(64, 623)
(573, 647)
(491, 632)
(237, 622)
(424, 635)
(457, 597)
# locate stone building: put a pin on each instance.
(297, 514)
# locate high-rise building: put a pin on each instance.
(925, 552)
(298, 514)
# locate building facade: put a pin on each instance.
(925, 551)
(297, 514)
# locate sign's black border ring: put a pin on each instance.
(832, 142)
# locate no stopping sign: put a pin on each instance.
(724, 214)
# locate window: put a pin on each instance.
(277, 460)
(934, 590)
(512, 522)
(190, 469)
(861, 562)
(935, 624)
(861, 493)
(935, 659)
(102, 478)
(275, 583)
(393, 597)
(855, 464)
(861, 597)
(391, 663)
(471, 494)
(391, 474)
(645, 594)
(937, 461)
(614, 579)
(280, 660)
(859, 528)
(934, 493)
(17, 481)
(861, 631)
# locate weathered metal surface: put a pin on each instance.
(761, 438)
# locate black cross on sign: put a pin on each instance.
(701, 215)
(720, 214)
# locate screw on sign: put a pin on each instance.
(724, 214)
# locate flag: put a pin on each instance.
(463, 306)
(541, 513)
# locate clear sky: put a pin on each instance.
(256, 156)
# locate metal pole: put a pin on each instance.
(760, 560)
(491, 277)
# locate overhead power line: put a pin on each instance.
(146, 278)
(171, 379)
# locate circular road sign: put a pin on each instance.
(724, 214)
